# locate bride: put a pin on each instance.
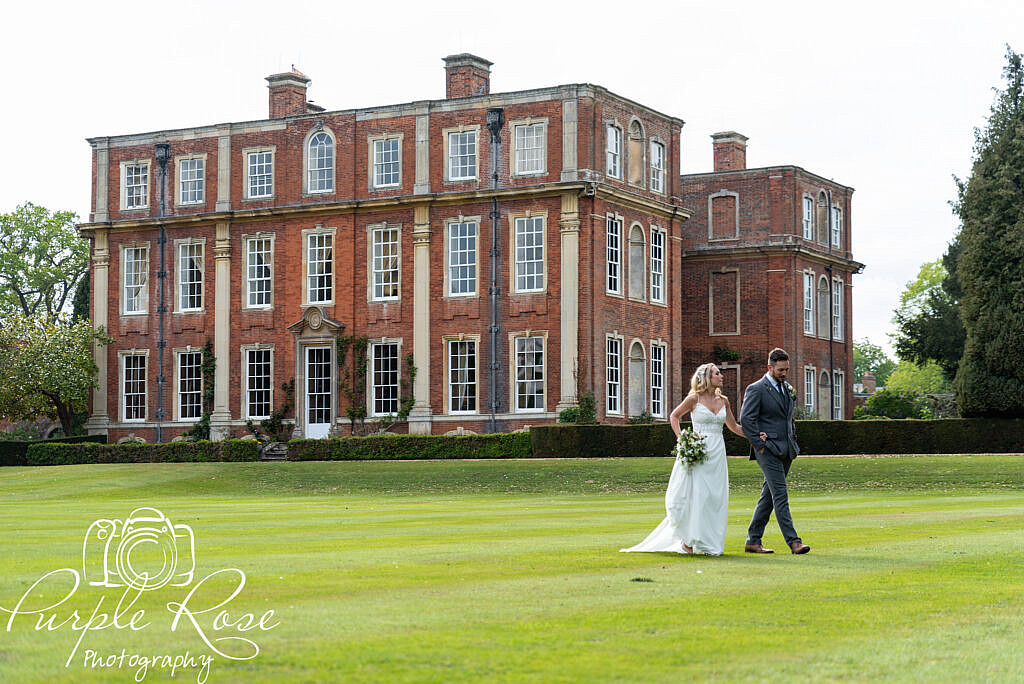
(697, 500)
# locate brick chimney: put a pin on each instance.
(868, 381)
(287, 94)
(466, 75)
(730, 151)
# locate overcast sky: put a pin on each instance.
(881, 96)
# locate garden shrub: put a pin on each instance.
(167, 452)
(384, 447)
(13, 452)
(816, 437)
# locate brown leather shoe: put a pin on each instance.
(799, 547)
(757, 548)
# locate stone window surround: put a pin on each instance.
(652, 140)
(176, 393)
(319, 229)
(369, 261)
(446, 292)
(244, 399)
(643, 261)
(622, 355)
(803, 203)
(813, 407)
(177, 179)
(462, 128)
(370, 170)
(529, 121)
(739, 383)
(246, 151)
(609, 124)
(711, 220)
(837, 226)
(663, 345)
(711, 303)
(144, 308)
(512, 216)
(814, 300)
(620, 293)
(177, 275)
(512, 337)
(663, 302)
(461, 337)
(838, 403)
(319, 127)
(121, 354)
(142, 161)
(369, 373)
(839, 286)
(245, 269)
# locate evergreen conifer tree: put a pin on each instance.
(990, 380)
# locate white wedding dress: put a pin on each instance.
(697, 500)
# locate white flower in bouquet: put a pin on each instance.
(690, 448)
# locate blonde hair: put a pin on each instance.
(701, 380)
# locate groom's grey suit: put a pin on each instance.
(766, 409)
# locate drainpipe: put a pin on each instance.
(495, 120)
(831, 312)
(163, 154)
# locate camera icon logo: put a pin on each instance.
(145, 552)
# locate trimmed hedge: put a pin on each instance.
(13, 452)
(168, 452)
(816, 437)
(419, 447)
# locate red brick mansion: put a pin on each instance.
(512, 249)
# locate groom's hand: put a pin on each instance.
(764, 436)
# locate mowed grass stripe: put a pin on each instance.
(430, 585)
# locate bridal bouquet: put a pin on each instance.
(690, 448)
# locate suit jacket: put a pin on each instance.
(766, 410)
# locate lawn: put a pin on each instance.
(509, 571)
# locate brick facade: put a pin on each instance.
(563, 200)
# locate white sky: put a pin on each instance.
(881, 96)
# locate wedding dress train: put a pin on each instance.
(697, 500)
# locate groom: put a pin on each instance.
(767, 421)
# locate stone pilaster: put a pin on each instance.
(221, 417)
(570, 156)
(224, 168)
(422, 155)
(102, 212)
(99, 419)
(569, 224)
(419, 416)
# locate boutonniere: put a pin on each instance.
(792, 392)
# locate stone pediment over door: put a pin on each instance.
(314, 322)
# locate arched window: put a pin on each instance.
(824, 396)
(822, 218)
(320, 163)
(636, 262)
(637, 379)
(636, 153)
(823, 310)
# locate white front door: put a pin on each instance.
(318, 392)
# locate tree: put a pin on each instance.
(926, 379)
(46, 367)
(869, 357)
(42, 259)
(990, 204)
(928, 318)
